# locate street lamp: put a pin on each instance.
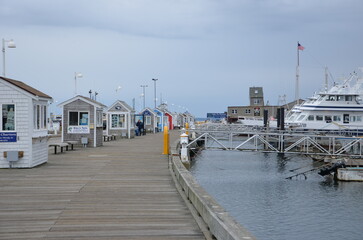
(154, 79)
(143, 93)
(10, 44)
(76, 75)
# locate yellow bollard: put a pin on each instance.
(166, 140)
(186, 128)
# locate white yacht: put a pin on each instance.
(339, 108)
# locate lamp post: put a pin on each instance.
(143, 93)
(76, 75)
(154, 79)
(10, 44)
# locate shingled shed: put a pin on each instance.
(121, 120)
(150, 118)
(23, 125)
(82, 121)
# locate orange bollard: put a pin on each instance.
(166, 140)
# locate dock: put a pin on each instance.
(122, 190)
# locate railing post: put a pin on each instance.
(184, 140)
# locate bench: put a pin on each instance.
(72, 143)
(107, 138)
(60, 145)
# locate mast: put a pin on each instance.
(326, 79)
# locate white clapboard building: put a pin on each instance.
(23, 125)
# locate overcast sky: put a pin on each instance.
(204, 53)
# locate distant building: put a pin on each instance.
(256, 96)
(256, 107)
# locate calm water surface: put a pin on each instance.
(253, 188)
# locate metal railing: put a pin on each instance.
(242, 138)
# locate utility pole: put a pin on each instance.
(154, 79)
(143, 94)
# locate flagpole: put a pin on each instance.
(297, 76)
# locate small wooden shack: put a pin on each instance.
(82, 121)
(150, 117)
(170, 122)
(160, 120)
(23, 121)
(121, 120)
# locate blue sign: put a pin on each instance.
(8, 137)
(146, 112)
(216, 115)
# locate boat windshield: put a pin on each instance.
(331, 98)
(340, 98)
(302, 116)
(292, 118)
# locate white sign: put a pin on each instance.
(78, 129)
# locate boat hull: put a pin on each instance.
(350, 174)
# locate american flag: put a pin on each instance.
(300, 47)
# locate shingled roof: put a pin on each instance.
(26, 87)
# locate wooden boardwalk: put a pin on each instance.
(122, 190)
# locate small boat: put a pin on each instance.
(350, 174)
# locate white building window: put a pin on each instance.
(78, 118)
(148, 120)
(44, 111)
(8, 117)
(40, 116)
(99, 119)
(118, 121)
(248, 111)
(234, 111)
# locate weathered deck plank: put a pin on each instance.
(122, 190)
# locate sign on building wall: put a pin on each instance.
(7, 136)
(78, 129)
(216, 115)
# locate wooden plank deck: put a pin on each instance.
(122, 190)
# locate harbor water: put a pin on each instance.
(252, 187)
